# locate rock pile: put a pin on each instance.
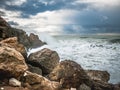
(42, 70)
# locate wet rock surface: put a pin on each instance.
(45, 59)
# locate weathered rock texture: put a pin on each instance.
(13, 43)
(69, 74)
(12, 63)
(98, 75)
(101, 85)
(38, 82)
(45, 59)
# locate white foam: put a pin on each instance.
(89, 53)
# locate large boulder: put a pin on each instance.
(12, 63)
(98, 75)
(45, 59)
(13, 43)
(69, 74)
(38, 82)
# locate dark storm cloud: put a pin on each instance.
(32, 7)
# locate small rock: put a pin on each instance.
(73, 89)
(14, 82)
(1, 88)
(84, 87)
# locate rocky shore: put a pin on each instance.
(42, 70)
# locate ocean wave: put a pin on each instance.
(91, 53)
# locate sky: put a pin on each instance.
(63, 16)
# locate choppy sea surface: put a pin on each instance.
(97, 52)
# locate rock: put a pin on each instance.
(73, 89)
(13, 43)
(69, 74)
(101, 85)
(38, 82)
(12, 63)
(3, 23)
(14, 82)
(45, 59)
(34, 69)
(35, 41)
(117, 87)
(7, 31)
(84, 87)
(12, 88)
(98, 75)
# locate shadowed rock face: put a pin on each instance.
(69, 74)
(3, 23)
(12, 63)
(35, 69)
(45, 59)
(6, 31)
(101, 85)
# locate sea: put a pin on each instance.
(96, 52)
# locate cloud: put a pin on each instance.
(50, 21)
(62, 16)
(15, 2)
(100, 3)
(11, 2)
